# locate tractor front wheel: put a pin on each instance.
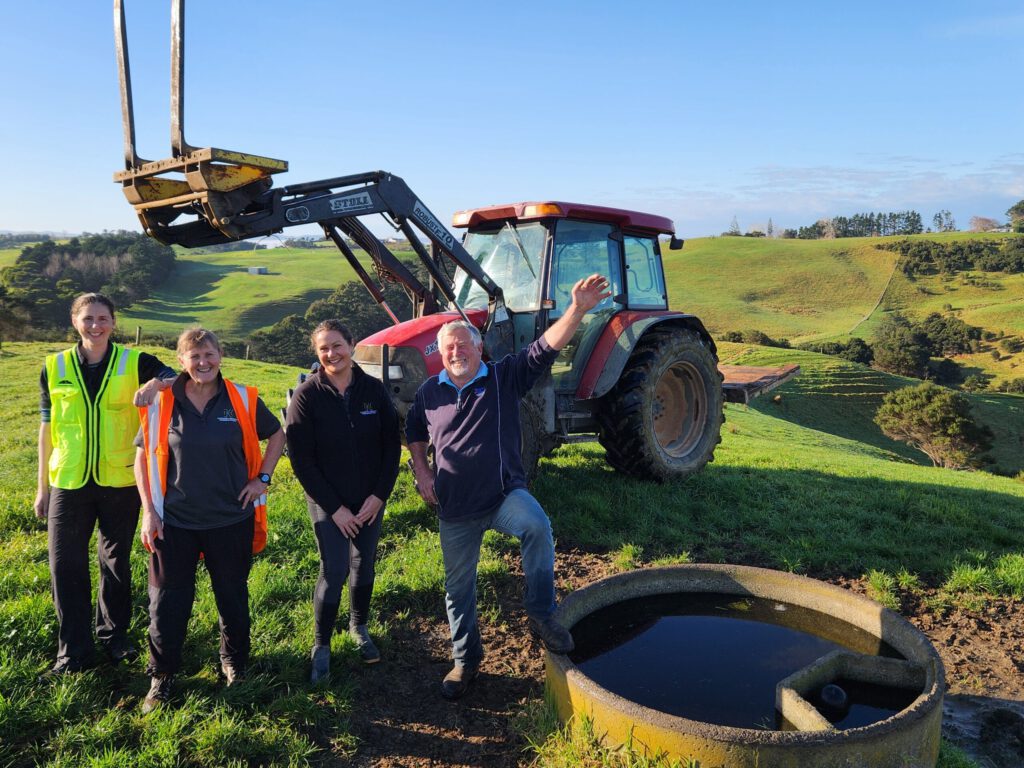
(663, 418)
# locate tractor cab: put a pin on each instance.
(537, 251)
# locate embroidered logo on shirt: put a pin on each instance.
(228, 415)
(478, 391)
(368, 410)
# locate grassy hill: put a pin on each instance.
(802, 290)
(807, 290)
(8, 256)
(805, 484)
(215, 290)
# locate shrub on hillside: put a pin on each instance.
(855, 349)
(754, 337)
(46, 277)
(287, 342)
(1012, 386)
(950, 335)
(975, 383)
(901, 348)
(927, 257)
(936, 421)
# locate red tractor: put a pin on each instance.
(640, 377)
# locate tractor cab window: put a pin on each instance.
(582, 248)
(511, 256)
(645, 281)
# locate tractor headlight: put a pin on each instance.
(377, 371)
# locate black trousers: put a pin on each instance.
(342, 558)
(70, 520)
(227, 553)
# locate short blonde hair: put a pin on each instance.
(194, 337)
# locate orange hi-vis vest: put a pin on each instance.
(156, 424)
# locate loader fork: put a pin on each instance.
(216, 184)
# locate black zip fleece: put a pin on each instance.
(343, 449)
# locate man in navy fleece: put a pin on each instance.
(470, 413)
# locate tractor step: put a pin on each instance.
(742, 383)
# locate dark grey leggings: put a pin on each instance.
(342, 558)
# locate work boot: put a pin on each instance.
(456, 683)
(321, 657)
(367, 650)
(65, 666)
(553, 635)
(160, 688)
(119, 649)
(231, 673)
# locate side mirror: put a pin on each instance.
(675, 243)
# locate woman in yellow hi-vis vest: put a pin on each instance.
(85, 477)
(203, 483)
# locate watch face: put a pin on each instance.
(264, 478)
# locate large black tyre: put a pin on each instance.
(663, 419)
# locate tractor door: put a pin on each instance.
(645, 278)
(582, 248)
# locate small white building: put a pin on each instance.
(258, 271)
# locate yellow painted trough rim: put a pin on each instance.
(753, 582)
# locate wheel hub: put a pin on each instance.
(679, 409)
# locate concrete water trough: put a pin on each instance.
(702, 687)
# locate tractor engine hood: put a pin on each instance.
(412, 354)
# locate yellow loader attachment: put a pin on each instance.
(216, 185)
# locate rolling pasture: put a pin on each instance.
(805, 483)
(801, 290)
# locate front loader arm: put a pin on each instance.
(207, 196)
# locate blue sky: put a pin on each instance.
(694, 110)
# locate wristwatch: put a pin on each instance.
(264, 478)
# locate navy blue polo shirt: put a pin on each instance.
(475, 431)
(207, 469)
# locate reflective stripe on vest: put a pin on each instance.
(156, 423)
(92, 439)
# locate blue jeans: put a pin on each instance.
(521, 516)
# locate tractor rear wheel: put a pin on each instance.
(663, 418)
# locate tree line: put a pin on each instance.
(287, 341)
(39, 287)
(861, 225)
(15, 239)
(929, 257)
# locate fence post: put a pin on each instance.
(138, 335)
(246, 351)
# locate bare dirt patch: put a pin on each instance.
(400, 718)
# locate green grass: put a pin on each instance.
(816, 290)
(216, 291)
(825, 500)
(8, 256)
(839, 397)
(796, 289)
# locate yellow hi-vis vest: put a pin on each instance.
(156, 424)
(92, 439)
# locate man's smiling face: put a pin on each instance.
(460, 356)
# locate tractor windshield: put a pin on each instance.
(511, 256)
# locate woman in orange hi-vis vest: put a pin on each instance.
(203, 483)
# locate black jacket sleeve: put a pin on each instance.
(301, 438)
